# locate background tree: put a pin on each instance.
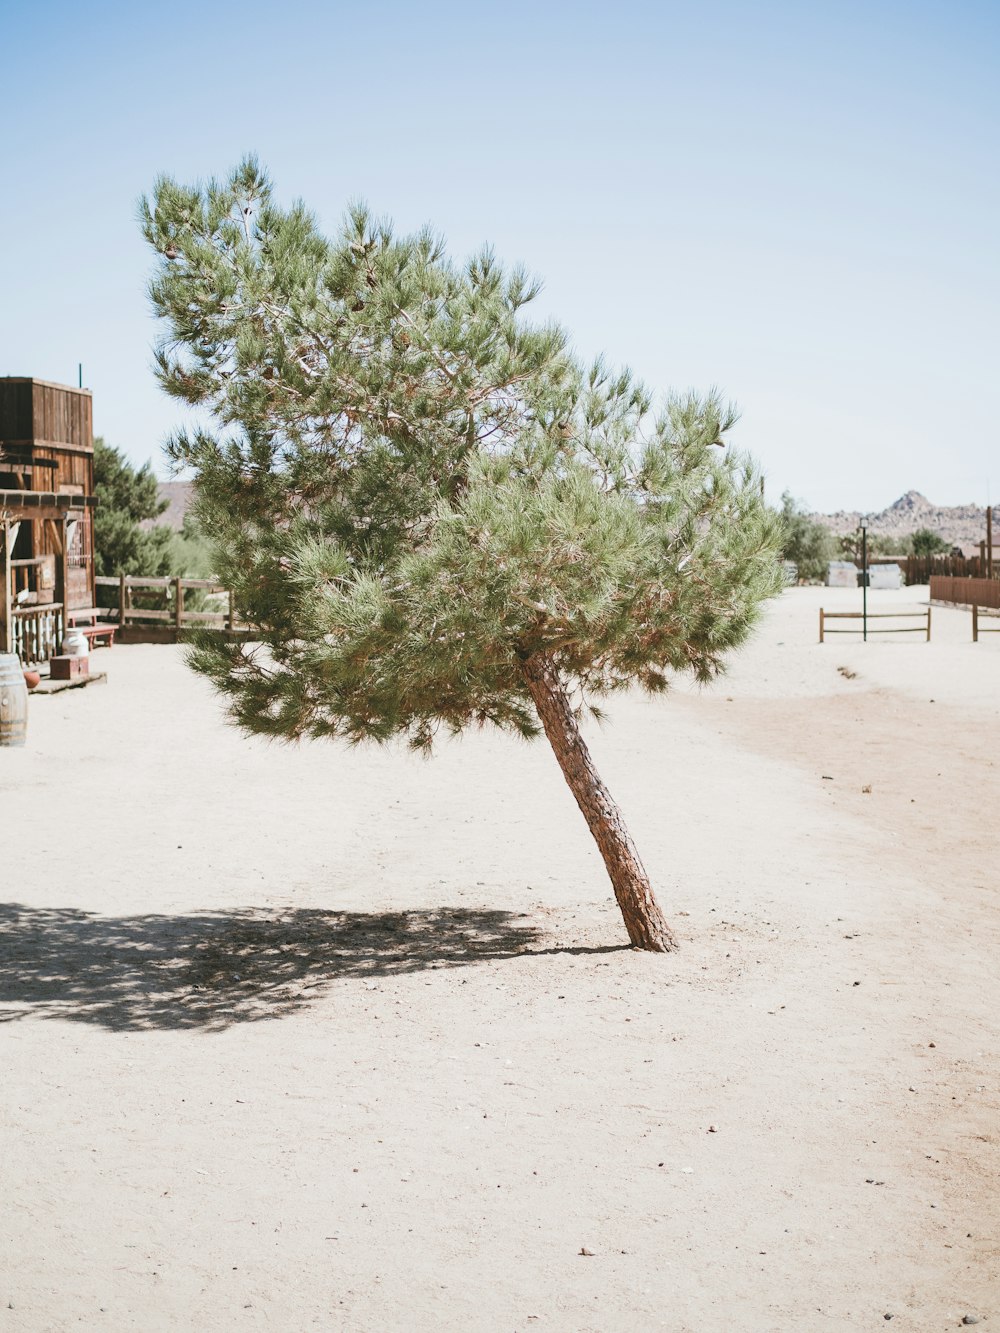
(885, 545)
(124, 541)
(850, 545)
(804, 540)
(925, 541)
(432, 514)
(126, 498)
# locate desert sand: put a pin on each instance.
(309, 1038)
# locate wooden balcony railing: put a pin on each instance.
(38, 632)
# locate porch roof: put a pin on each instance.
(16, 505)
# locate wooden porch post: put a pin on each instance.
(6, 618)
(62, 589)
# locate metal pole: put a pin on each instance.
(864, 582)
(79, 372)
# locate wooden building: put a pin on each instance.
(46, 513)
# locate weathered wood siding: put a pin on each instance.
(53, 423)
(35, 412)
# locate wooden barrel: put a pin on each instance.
(13, 701)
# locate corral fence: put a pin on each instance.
(141, 610)
(917, 569)
(923, 628)
(923, 568)
(154, 610)
(966, 591)
(979, 628)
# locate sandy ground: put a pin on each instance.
(311, 1039)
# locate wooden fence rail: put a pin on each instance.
(170, 593)
(978, 628)
(923, 616)
(37, 630)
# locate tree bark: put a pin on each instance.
(646, 925)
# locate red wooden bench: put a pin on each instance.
(95, 632)
(86, 622)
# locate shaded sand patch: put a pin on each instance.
(301, 1038)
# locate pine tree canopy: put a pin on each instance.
(126, 497)
(414, 490)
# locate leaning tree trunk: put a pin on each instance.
(646, 925)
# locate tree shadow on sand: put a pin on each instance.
(211, 970)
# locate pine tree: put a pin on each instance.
(431, 513)
(126, 498)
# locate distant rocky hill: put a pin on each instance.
(178, 495)
(959, 525)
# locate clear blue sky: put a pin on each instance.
(796, 202)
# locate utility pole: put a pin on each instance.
(864, 580)
(989, 541)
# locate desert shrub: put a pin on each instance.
(804, 540)
(925, 541)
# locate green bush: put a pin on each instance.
(806, 542)
(925, 541)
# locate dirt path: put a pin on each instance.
(306, 1039)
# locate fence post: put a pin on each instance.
(821, 624)
(121, 601)
(178, 603)
(928, 624)
(975, 623)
